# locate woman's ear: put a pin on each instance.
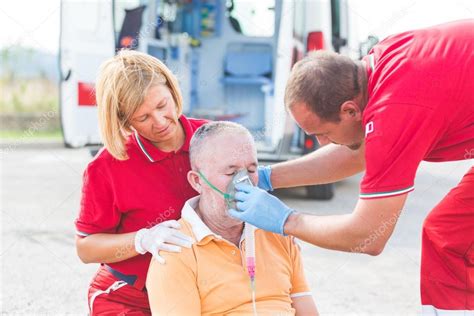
(129, 129)
(194, 180)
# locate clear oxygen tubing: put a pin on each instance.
(249, 234)
(249, 230)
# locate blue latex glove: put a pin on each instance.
(260, 208)
(264, 182)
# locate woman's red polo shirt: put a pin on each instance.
(125, 196)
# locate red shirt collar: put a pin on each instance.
(154, 154)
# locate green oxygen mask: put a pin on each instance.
(240, 177)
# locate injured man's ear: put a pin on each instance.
(254, 270)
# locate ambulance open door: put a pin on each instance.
(86, 40)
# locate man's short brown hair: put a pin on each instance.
(323, 80)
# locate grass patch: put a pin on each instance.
(28, 95)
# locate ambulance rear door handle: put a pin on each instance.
(68, 75)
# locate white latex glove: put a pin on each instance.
(164, 236)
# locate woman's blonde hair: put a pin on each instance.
(121, 87)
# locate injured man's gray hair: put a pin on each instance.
(206, 132)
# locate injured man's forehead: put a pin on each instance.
(231, 151)
(221, 144)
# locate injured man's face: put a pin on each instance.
(218, 159)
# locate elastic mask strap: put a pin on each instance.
(226, 195)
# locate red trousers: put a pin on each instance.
(447, 261)
(111, 296)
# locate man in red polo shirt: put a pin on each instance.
(411, 99)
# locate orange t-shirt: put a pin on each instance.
(211, 277)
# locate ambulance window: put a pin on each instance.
(252, 17)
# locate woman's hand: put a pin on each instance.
(161, 237)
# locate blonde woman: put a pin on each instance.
(136, 186)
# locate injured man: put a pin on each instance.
(232, 268)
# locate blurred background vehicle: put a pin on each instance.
(232, 59)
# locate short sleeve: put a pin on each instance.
(172, 288)
(299, 286)
(98, 212)
(398, 137)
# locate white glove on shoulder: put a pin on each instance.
(161, 237)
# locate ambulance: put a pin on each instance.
(231, 57)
